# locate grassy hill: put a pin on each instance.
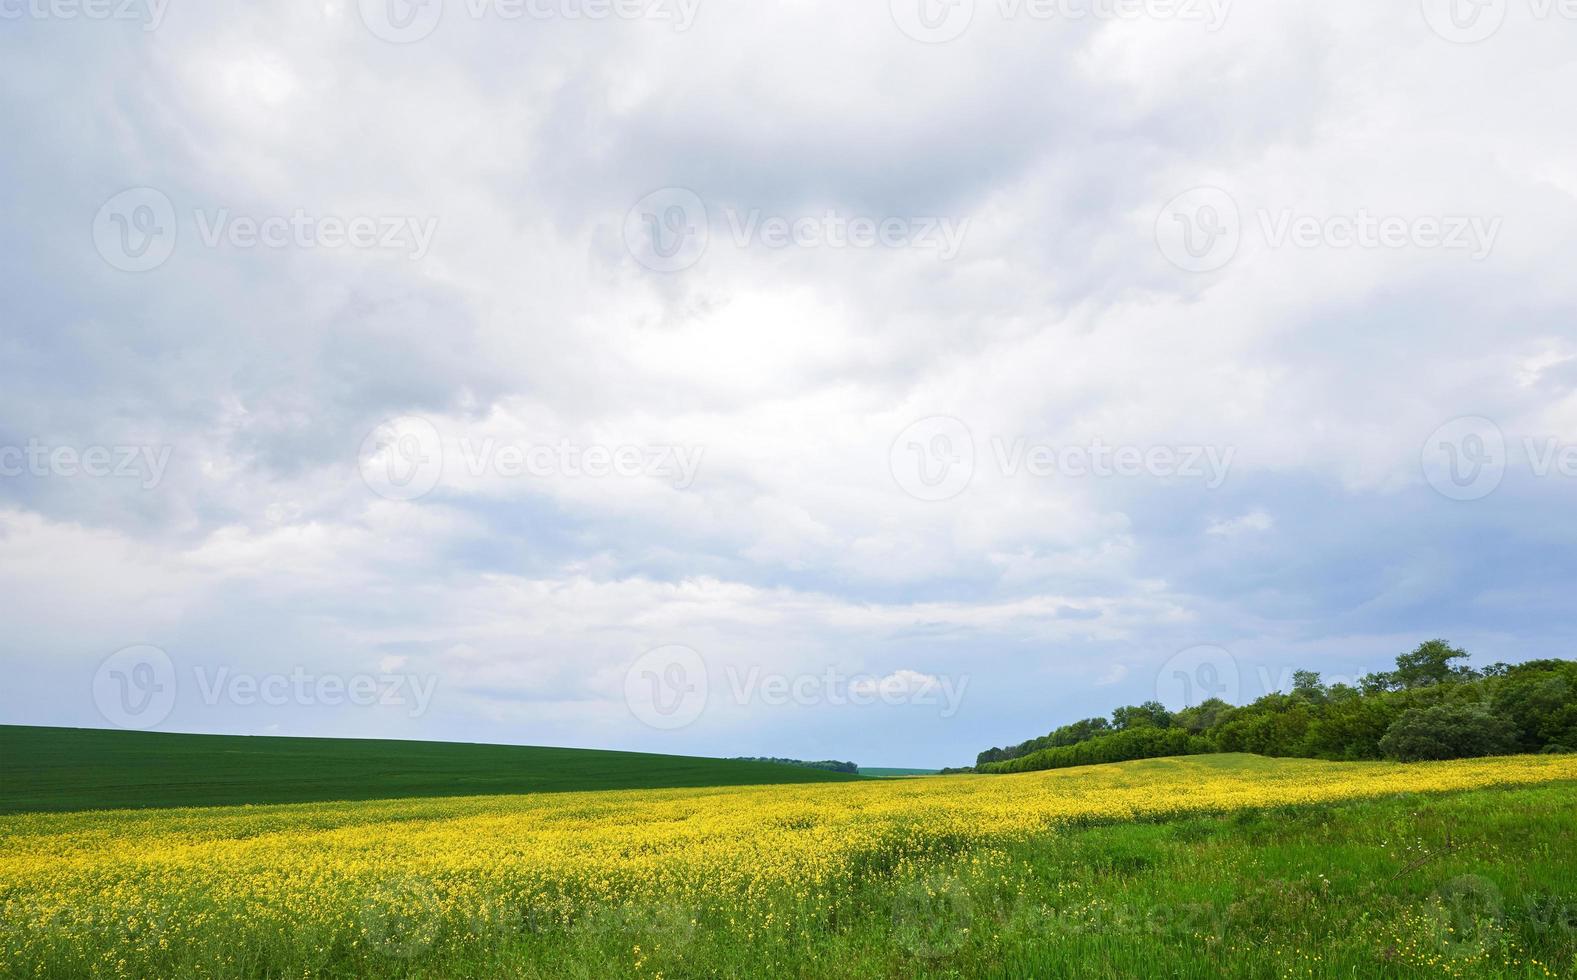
(89, 769)
(1187, 868)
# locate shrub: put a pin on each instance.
(1447, 731)
(1135, 743)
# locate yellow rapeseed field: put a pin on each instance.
(116, 893)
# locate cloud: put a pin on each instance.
(529, 325)
(1115, 674)
(1256, 520)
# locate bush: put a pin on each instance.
(1448, 731)
(1135, 743)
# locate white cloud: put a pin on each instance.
(528, 323)
(1256, 520)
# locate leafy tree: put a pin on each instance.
(1204, 715)
(1449, 709)
(1431, 663)
(1144, 742)
(1448, 731)
(1306, 685)
(1079, 731)
(1151, 714)
(1539, 703)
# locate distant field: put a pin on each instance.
(87, 769)
(1193, 868)
(884, 771)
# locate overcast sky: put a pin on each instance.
(858, 379)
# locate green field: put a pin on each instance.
(1200, 867)
(887, 771)
(1475, 884)
(90, 769)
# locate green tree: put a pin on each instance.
(1431, 663)
(1448, 731)
(1151, 714)
(1306, 684)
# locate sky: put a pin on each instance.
(879, 380)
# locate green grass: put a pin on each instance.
(65, 769)
(887, 771)
(1469, 884)
(1475, 884)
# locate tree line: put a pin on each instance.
(828, 764)
(1432, 706)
